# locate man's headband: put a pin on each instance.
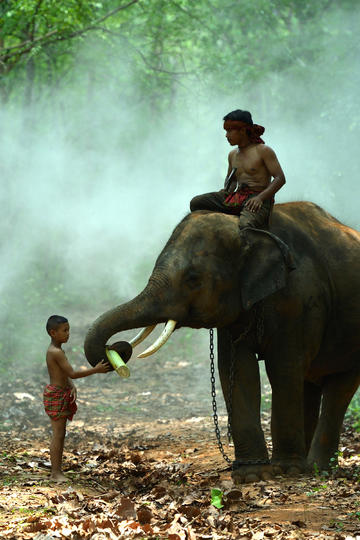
(254, 129)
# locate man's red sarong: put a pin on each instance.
(58, 402)
(238, 198)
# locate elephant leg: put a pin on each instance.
(251, 457)
(338, 390)
(285, 372)
(312, 400)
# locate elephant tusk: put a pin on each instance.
(142, 335)
(166, 333)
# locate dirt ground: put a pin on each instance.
(142, 462)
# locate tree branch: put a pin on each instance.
(4, 56)
(143, 57)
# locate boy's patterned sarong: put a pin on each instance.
(58, 402)
(215, 202)
(238, 198)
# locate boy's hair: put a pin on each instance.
(54, 322)
(239, 115)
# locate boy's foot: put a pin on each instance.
(58, 477)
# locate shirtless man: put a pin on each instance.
(60, 394)
(248, 191)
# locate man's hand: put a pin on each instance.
(102, 367)
(254, 204)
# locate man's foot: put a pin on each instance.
(58, 477)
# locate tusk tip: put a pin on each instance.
(166, 333)
(144, 354)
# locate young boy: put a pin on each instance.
(248, 191)
(60, 394)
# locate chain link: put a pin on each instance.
(214, 405)
(258, 321)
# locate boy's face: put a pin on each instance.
(61, 333)
(237, 137)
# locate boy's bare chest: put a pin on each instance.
(246, 162)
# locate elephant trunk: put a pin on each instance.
(145, 310)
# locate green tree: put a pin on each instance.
(37, 39)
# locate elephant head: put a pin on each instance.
(208, 274)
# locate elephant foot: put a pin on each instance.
(246, 474)
(323, 464)
(289, 467)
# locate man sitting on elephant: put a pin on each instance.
(248, 191)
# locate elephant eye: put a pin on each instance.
(193, 279)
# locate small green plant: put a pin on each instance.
(9, 480)
(353, 412)
(333, 462)
(216, 498)
(22, 510)
(316, 489)
(316, 470)
(355, 515)
(338, 525)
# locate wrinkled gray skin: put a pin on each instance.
(306, 325)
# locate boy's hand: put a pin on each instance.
(254, 204)
(73, 393)
(102, 367)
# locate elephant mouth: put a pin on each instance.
(169, 328)
(158, 343)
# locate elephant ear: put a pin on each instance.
(267, 264)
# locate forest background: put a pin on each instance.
(111, 121)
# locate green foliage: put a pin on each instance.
(26, 304)
(353, 412)
(216, 498)
(317, 489)
(146, 50)
(56, 57)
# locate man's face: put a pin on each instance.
(61, 334)
(237, 137)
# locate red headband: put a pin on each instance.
(254, 129)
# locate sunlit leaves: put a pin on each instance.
(162, 44)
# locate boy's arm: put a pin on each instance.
(228, 172)
(73, 390)
(273, 166)
(66, 367)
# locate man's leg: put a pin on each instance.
(56, 448)
(213, 201)
(258, 220)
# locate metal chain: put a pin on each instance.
(231, 387)
(214, 405)
(257, 319)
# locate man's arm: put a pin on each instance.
(273, 166)
(227, 175)
(66, 367)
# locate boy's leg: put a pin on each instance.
(213, 201)
(57, 447)
(258, 220)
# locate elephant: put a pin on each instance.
(303, 323)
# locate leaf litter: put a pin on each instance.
(143, 466)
